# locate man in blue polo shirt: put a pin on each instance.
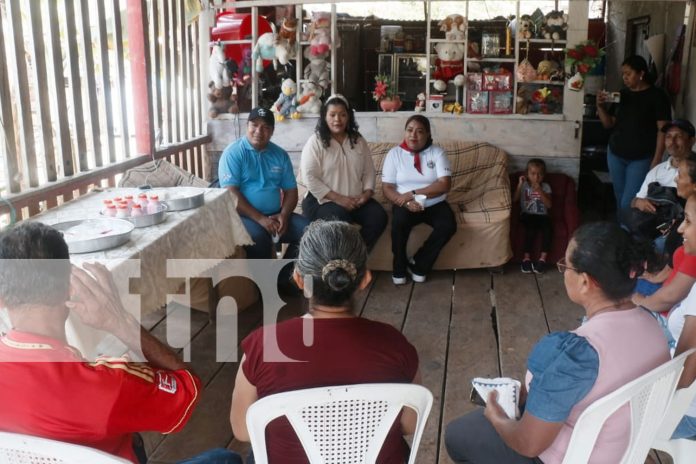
(256, 170)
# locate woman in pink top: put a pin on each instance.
(568, 371)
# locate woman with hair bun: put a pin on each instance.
(637, 143)
(346, 348)
(568, 371)
(336, 165)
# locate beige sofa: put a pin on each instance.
(480, 199)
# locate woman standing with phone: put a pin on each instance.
(636, 143)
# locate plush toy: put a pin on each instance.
(526, 71)
(288, 32)
(453, 108)
(526, 27)
(222, 101)
(318, 70)
(454, 27)
(320, 33)
(217, 67)
(554, 26)
(522, 101)
(449, 64)
(286, 104)
(420, 103)
(309, 101)
(545, 69)
(246, 62)
(266, 48)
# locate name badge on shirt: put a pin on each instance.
(431, 164)
(166, 382)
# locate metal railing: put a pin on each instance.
(70, 94)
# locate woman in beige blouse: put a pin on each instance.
(337, 168)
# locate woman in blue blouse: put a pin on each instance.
(568, 371)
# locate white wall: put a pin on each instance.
(522, 137)
(665, 18)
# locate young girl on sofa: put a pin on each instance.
(534, 196)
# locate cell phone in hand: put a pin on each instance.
(475, 398)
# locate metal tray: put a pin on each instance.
(147, 220)
(181, 198)
(89, 235)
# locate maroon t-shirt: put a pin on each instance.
(344, 351)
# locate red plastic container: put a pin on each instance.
(236, 26)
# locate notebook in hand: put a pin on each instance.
(508, 392)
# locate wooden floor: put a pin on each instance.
(464, 324)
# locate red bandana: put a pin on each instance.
(416, 156)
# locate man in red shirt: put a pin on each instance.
(48, 389)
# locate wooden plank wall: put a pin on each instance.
(66, 102)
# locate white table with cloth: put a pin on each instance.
(209, 233)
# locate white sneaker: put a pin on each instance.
(399, 280)
(415, 277)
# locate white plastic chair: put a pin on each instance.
(648, 396)
(682, 450)
(16, 448)
(340, 425)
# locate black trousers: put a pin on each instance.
(371, 216)
(472, 439)
(439, 217)
(533, 225)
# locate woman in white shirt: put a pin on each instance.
(336, 165)
(418, 170)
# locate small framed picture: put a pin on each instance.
(500, 102)
(477, 102)
(435, 103)
(490, 44)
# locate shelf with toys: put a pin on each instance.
(491, 60)
(501, 60)
(456, 45)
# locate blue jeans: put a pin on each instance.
(626, 176)
(263, 243)
(214, 456)
(686, 428)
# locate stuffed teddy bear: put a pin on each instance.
(217, 66)
(554, 26)
(318, 69)
(288, 32)
(309, 101)
(449, 64)
(526, 25)
(266, 48)
(320, 33)
(522, 101)
(420, 103)
(286, 104)
(545, 69)
(222, 101)
(454, 27)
